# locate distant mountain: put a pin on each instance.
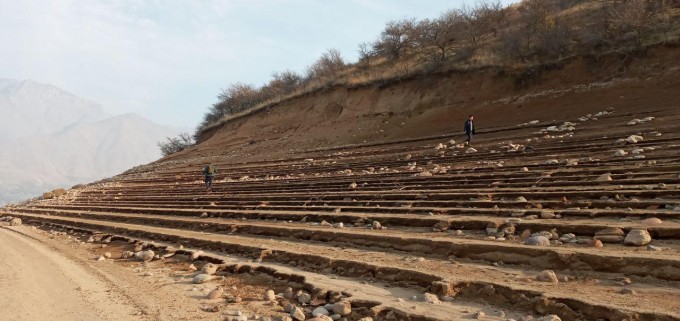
(33, 109)
(55, 139)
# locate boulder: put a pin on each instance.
(269, 296)
(216, 293)
(195, 255)
(538, 240)
(145, 256)
(632, 139)
(441, 226)
(652, 221)
(637, 237)
(319, 312)
(15, 221)
(342, 308)
(431, 298)
(547, 276)
(209, 269)
(201, 278)
(604, 177)
(297, 313)
(610, 235)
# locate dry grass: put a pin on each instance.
(382, 71)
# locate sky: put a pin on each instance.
(168, 59)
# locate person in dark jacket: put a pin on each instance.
(469, 129)
(209, 172)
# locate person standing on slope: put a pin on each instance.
(209, 171)
(469, 129)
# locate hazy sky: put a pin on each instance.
(167, 60)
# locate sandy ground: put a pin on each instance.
(43, 278)
(40, 284)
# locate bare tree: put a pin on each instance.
(396, 39)
(436, 38)
(631, 17)
(366, 54)
(175, 144)
(328, 65)
(283, 83)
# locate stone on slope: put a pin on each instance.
(632, 139)
(15, 222)
(201, 278)
(269, 296)
(547, 276)
(209, 268)
(216, 293)
(652, 221)
(538, 240)
(342, 308)
(610, 235)
(319, 311)
(638, 237)
(297, 313)
(145, 256)
(604, 177)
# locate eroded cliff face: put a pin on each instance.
(438, 104)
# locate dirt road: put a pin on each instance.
(39, 284)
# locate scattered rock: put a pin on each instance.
(216, 293)
(441, 226)
(610, 235)
(202, 278)
(431, 298)
(604, 177)
(304, 298)
(632, 139)
(537, 240)
(596, 243)
(627, 290)
(195, 255)
(127, 255)
(425, 174)
(319, 312)
(637, 237)
(342, 308)
(479, 315)
(15, 221)
(377, 225)
(652, 221)
(270, 296)
(547, 276)
(145, 256)
(297, 313)
(620, 153)
(551, 317)
(209, 268)
(547, 215)
(107, 255)
(470, 150)
(521, 199)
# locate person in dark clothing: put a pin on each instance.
(209, 172)
(469, 129)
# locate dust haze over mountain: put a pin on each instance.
(51, 138)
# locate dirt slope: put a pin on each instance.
(359, 195)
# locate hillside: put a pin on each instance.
(352, 197)
(52, 139)
(566, 209)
